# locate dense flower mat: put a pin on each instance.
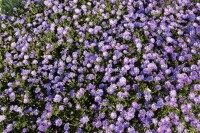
(100, 66)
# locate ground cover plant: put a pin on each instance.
(113, 66)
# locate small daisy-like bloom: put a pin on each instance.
(113, 115)
(173, 93)
(57, 98)
(169, 39)
(84, 119)
(119, 107)
(66, 127)
(111, 89)
(58, 122)
(61, 107)
(26, 99)
(9, 127)
(122, 81)
(2, 118)
(112, 1)
(13, 44)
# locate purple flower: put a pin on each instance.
(2, 117)
(169, 39)
(57, 98)
(180, 127)
(111, 89)
(185, 108)
(127, 35)
(119, 107)
(112, 1)
(9, 127)
(26, 99)
(61, 107)
(42, 128)
(13, 44)
(113, 115)
(48, 3)
(84, 119)
(97, 99)
(66, 127)
(12, 96)
(122, 81)
(58, 122)
(3, 26)
(173, 93)
(130, 115)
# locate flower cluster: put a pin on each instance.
(100, 66)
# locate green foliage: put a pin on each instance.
(8, 5)
(196, 0)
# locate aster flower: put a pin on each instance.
(113, 115)
(122, 81)
(84, 119)
(2, 118)
(119, 107)
(58, 122)
(111, 89)
(57, 98)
